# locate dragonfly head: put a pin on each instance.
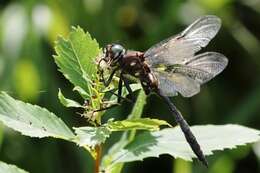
(113, 53)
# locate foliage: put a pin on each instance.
(138, 124)
(126, 137)
(31, 120)
(74, 57)
(5, 168)
(92, 136)
(68, 102)
(171, 141)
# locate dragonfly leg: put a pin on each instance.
(191, 139)
(106, 108)
(127, 85)
(120, 86)
(123, 98)
(106, 83)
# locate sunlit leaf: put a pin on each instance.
(91, 136)
(68, 102)
(136, 124)
(126, 137)
(6, 168)
(31, 120)
(76, 59)
(256, 148)
(172, 141)
(81, 91)
(107, 160)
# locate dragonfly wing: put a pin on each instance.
(203, 67)
(177, 49)
(186, 78)
(166, 84)
(171, 83)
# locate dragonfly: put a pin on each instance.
(171, 67)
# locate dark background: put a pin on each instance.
(28, 29)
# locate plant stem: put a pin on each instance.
(98, 149)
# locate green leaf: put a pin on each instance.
(108, 158)
(126, 138)
(91, 136)
(6, 168)
(172, 141)
(256, 148)
(32, 120)
(68, 102)
(136, 124)
(76, 59)
(82, 92)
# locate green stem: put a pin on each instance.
(98, 149)
(137, 112)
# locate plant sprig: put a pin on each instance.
(76, 58)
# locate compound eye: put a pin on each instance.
(117, 49)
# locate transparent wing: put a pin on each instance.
(187, 78)
(178, 49)
(171, 83)
(203, 67)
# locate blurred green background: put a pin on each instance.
(28, 29)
